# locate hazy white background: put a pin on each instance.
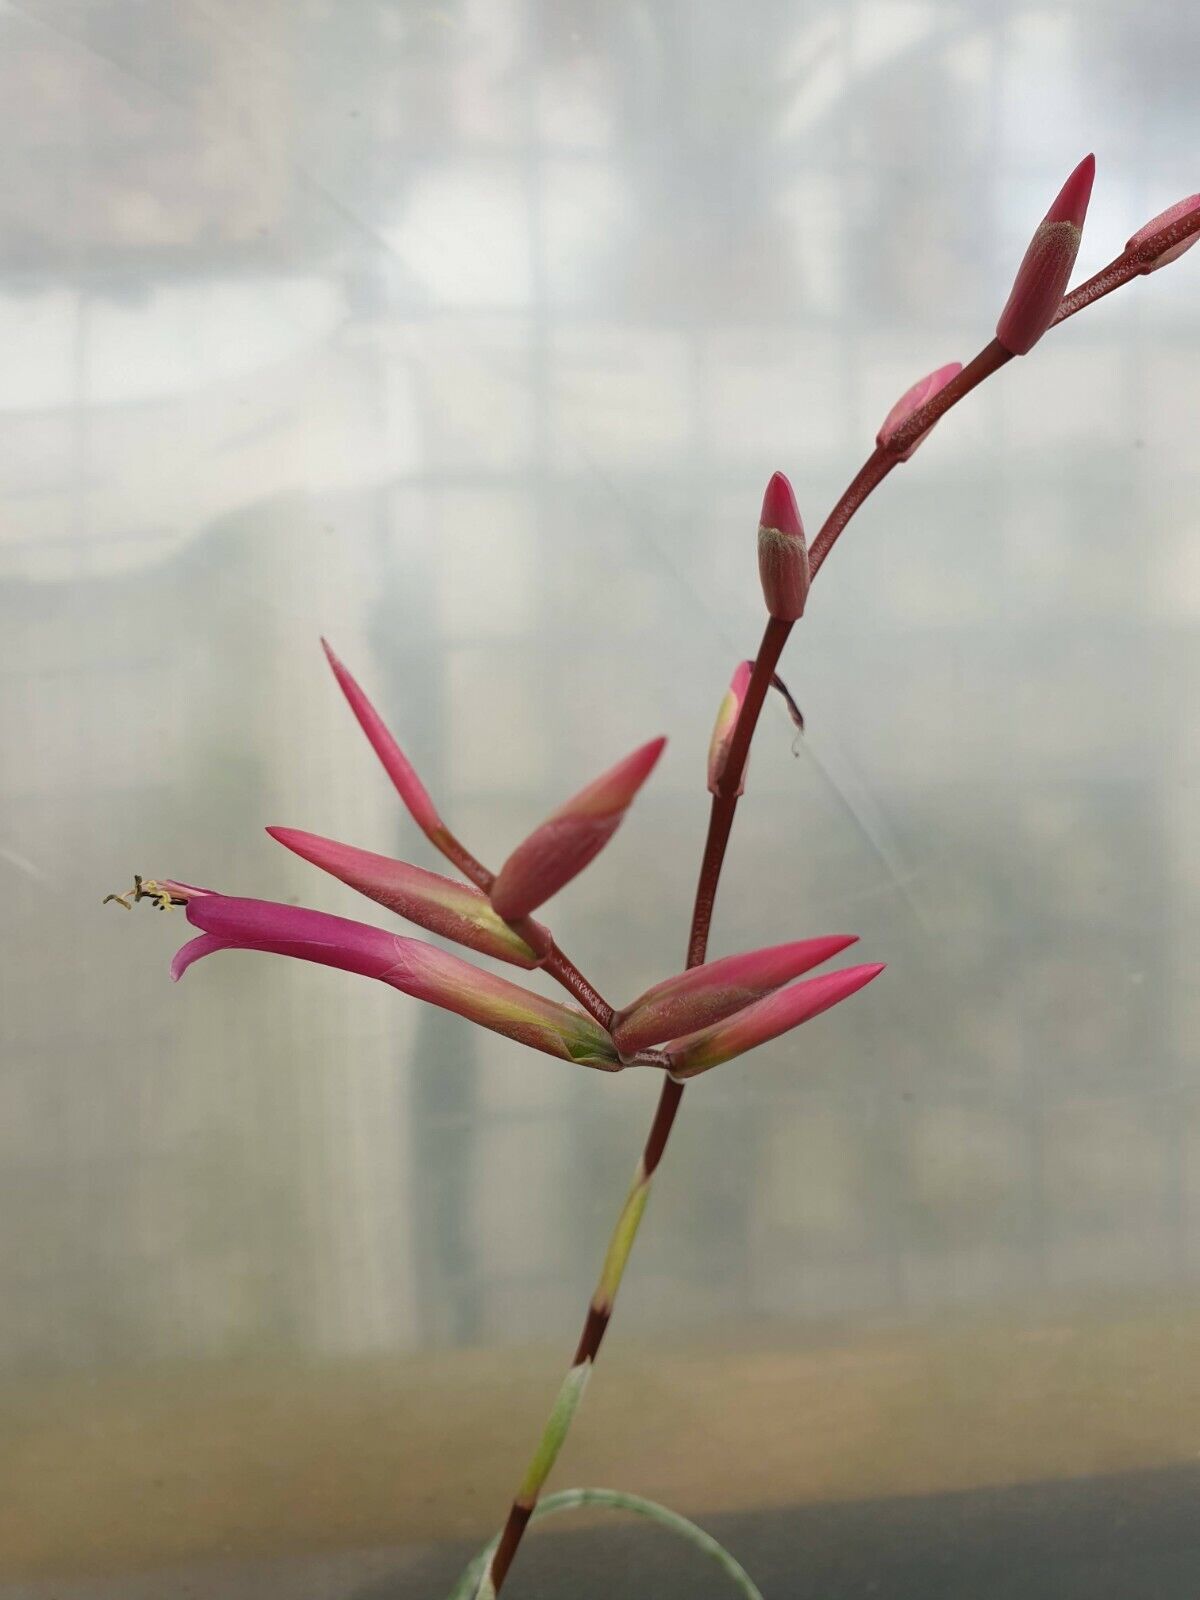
(468, 335)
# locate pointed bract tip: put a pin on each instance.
(779, 508)
(1071, 202)
(642, 762)
(392, 758)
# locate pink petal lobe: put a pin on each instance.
(395, 763)
(764, 1020)
(297, 931)
(203, 945)
(705, 995)
(571, 837)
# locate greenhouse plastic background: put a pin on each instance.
(468, 335)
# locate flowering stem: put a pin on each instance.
(621, 1244)
(1131, 263)
(564, 970)
(457, 853)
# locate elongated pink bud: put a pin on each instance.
(704, 995)
(562, 846)
(1181, 211)
(1042, 276)
(912, 400)
(782, 552)
(396, 764)
(455, 910)
(764, 1020)
(722, 734)
(416, 968)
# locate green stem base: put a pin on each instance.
(614, 1500)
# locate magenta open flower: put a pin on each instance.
(560, 848)
(455, 910)
(416, 968)
(703, 995)
(764, 1020)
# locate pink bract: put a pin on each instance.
(764, 1020)
(560, 848)
(782, 552)
(1046, 268)
(705, 995)
(912, 400)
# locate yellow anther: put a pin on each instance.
(145, 889)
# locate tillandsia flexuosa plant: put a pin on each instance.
(710, 1012)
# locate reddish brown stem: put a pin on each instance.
(554, 961)
(720, 823)
(457, 853)
(881, 461)
(564, 970)
(1128, 265)
(865, 481)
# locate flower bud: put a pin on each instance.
(1042, 276)
(703, 995)
(782, 552)
(722, 734)
(574, 835)
(912, 400)
(764, 1020)
(1176, 213)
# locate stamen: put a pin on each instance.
(146, 889)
